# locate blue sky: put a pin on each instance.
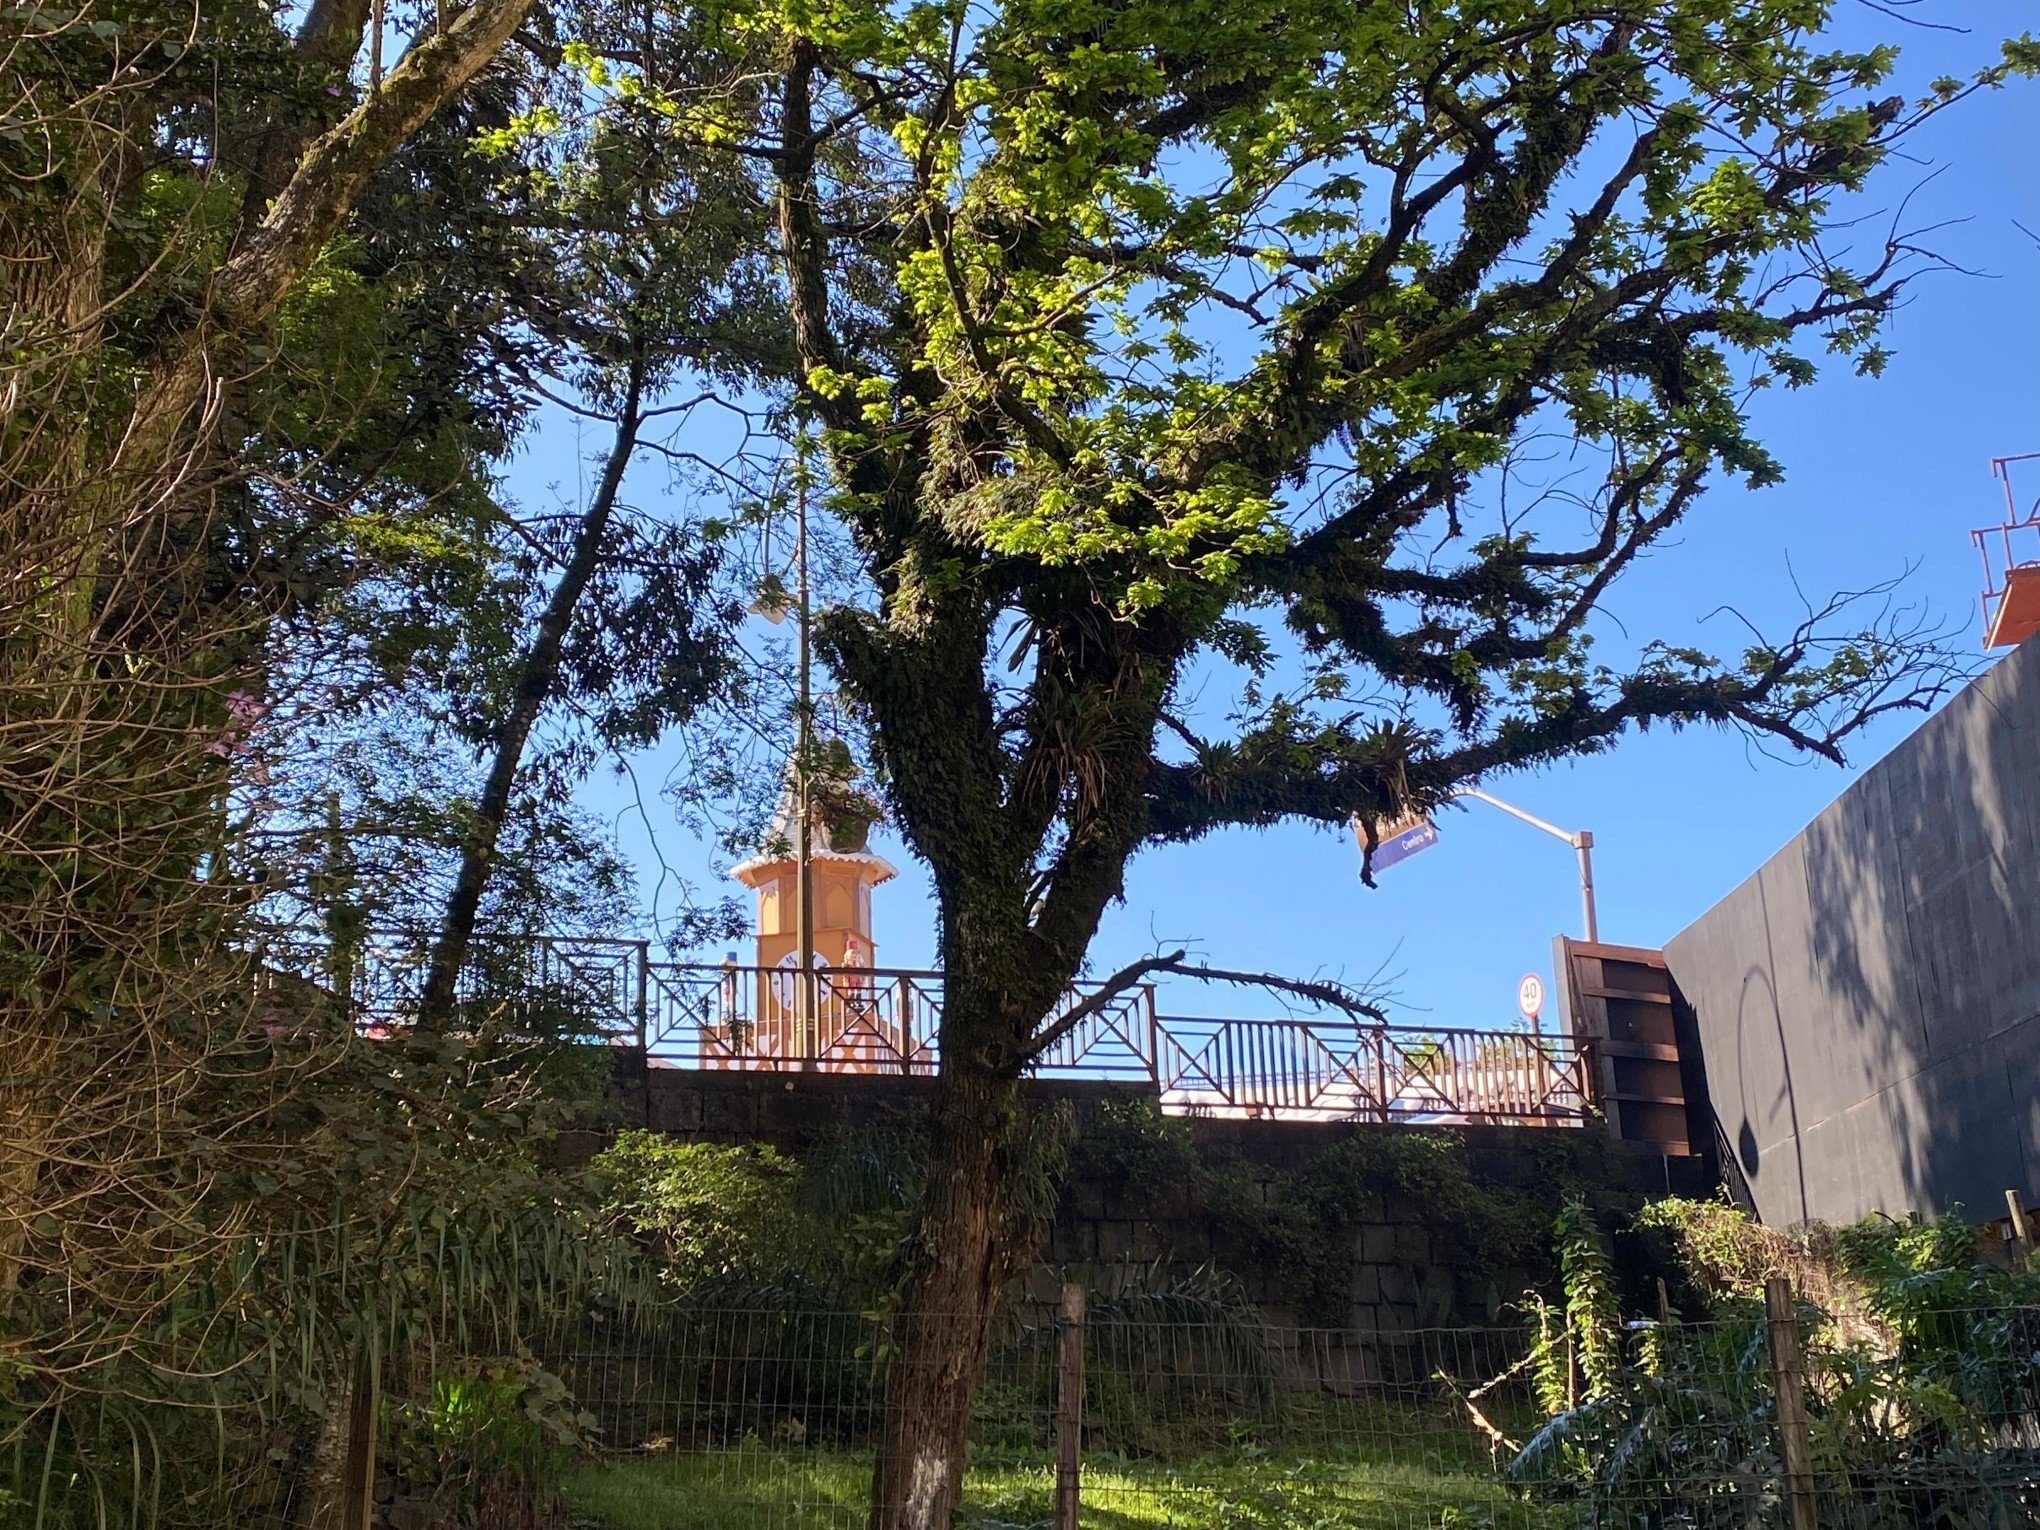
(1881, 475)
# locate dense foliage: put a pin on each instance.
(269, 322)
(1922, 1380)
(709, 1212)
(1149, 344)
(407, 1232)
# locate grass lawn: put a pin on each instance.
(760, 1488)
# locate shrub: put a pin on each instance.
(1922, 1384)
(486, 1449)
(711, 1211)
(1131, 1142)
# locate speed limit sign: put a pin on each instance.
(1530, 995)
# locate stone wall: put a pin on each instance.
(798, 1111)
(1409, 1264)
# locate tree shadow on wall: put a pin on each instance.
(1870, 1000)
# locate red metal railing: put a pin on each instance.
(2011, 561)
(1341, 1071)
(885, 1021)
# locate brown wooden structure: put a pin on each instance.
(1620, 1003)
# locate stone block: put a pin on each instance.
(675, 1108)
(729, 1113)
(1086, 1198)
(1342, 1367)
(1436, 1304)
(1395, 1317)
(1116, 1242)
(1480, 1299)
(1066, 1244)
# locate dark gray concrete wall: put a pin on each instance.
(796, 1112)
(1868, 1004)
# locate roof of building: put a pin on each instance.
(783, 831)
(751, 870)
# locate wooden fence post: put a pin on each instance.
(1069, 1408)
(2022, 1230)
(1788, 1375)
(343, 1475)
(1154, 1035)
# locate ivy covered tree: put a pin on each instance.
(1157, 340)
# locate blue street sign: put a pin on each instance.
(1400, 847)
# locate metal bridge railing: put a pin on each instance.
(885, 1021)
(1343, 1071)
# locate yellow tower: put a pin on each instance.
(843, 881)
(843, 1023)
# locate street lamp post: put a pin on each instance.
(808, 1016)
(1582, 841)
(806, 999)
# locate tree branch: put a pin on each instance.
(326, 42)
(1329, 995)
(320, 193)
(538, 676)
(1093, 1003)
(803, 245)
(338, 165)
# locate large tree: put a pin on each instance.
(275, 299)
(626, 285)
(176, 189)
(141, 278)
(1165, 340)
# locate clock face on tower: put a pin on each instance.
(782, 981)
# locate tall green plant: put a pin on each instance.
(715, 1215)
(1593, 1313)
(1922, 1385)
(406, 1230)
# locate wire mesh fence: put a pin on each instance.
(771, 1419)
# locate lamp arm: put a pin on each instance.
(1531, 819)
(1582, 840)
